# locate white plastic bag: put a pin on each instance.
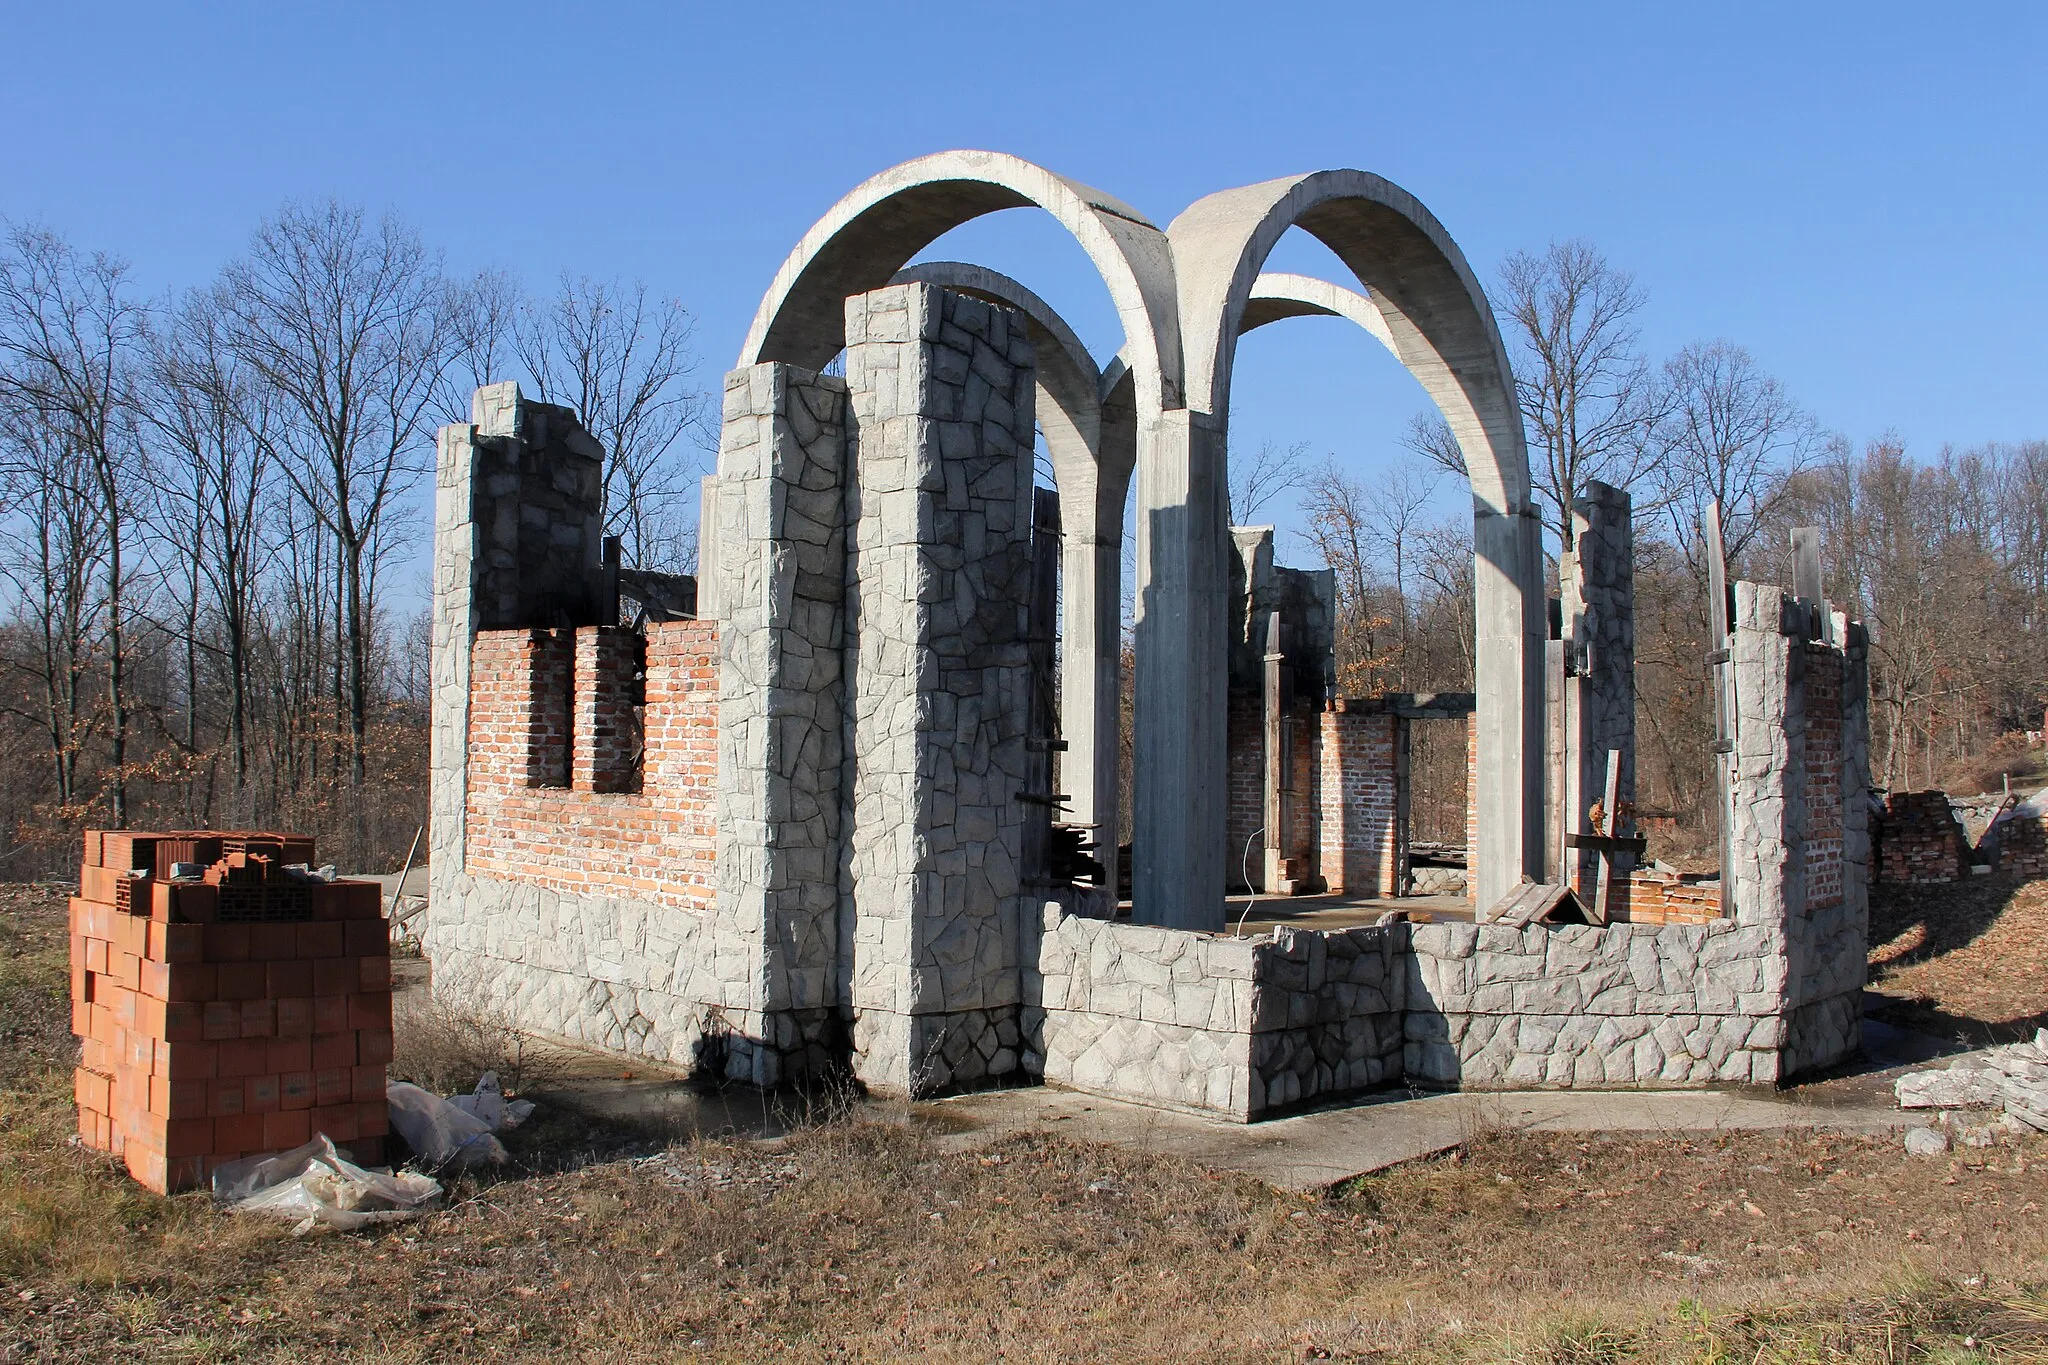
(488, 1103)
(440, 1132)
(317, 1185)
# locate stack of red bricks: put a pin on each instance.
(2023, 842)
(1922, 839)
(1651, 897)
(238, 1011)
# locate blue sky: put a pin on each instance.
(1855, 192)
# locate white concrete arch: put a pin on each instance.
(872, 232)
(1443, 331)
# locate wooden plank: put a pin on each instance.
(1806, 565)
(1604, 871)
(1277, 816)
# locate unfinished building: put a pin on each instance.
(813, 824)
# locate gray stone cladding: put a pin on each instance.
(779, 519)
(939, 684)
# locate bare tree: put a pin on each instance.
(1585, 391)
(70, 337)
(213, 417)
(621, 359)
(349, 323)
(1431, 437)
(1264, 475)
(1726, 432)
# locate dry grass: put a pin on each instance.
(871, 1241)
(446, 1041)
(1967, 961)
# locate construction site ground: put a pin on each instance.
(857, 1231)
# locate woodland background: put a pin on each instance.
(209, 504)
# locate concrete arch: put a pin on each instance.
(1442, 330)
(872, 232)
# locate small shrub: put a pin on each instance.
(448, 1038)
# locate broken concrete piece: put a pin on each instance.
(1926, 1142)
(1957, 1088)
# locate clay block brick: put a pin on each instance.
(336, 976)
(295, 1090)
(259, 1018)
(291, 1054)
(373, 1047)
(220, 1019)
(376, 974)
(152, 1015)
(238, 1134)
(318, 940)
(99, 883)
(184, 982)
(169, 1099)
(272, 942)
(373, 1119)
(94, 847)
(126, 968)
(242, 980)
(188, 1137)
(244, 1057)
(260, 1095)
(366, 938)
(367, 1151)
(286, 1129)
(95, 955)
(127, 850)
(366, 1083)
(177, 942)
(370, 1010)
(337, 1121)
(334, 1049)
(227, 943)
(92, 1090)
(295, 1017)
(330, 1013)
(81, 1018)
(182, 1061)
(184, 1022)
(331, 1085)
(195, 903)
(138, 1054)
(348, 900)
(225, 1096)
(290, 979)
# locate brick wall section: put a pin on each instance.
(1245, 799)
(1922, 842)
(1357, 800)
(606, 750)
(524, 680)
(1471, 806)
(2023, 843)
(654, 845)
(1823, 776)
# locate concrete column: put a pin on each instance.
(1508, 808)
(1767, 843)
(942, 391)
(1091, 654)
(1597, 582)
(768, 974)
(1182, 643)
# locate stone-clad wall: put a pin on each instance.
(939, 679)
(1589, 1006)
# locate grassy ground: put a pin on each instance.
(1968, 961)
(864, 1240)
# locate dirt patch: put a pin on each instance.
(1966, 961)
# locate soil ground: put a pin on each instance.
(857, 1239)
(1966, 962)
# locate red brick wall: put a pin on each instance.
(1823, 776)
(1356, 798)
(655, 844)
(1472, 807)
(1245, 793)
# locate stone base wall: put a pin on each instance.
(1327, 1014)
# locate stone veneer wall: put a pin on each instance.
(939, 679)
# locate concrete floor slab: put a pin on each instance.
(1316, 1150)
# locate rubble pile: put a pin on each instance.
(2014, 1077)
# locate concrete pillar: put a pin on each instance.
(1597, 582)
(1767, 850)
(1508, 808)
(1182, 642)
(769, 968)
(939, 677)
(1091, 659)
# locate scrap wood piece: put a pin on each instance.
(1539, 903)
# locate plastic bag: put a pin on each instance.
(319, 1186)
(488, 1103)
(440, 1132)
